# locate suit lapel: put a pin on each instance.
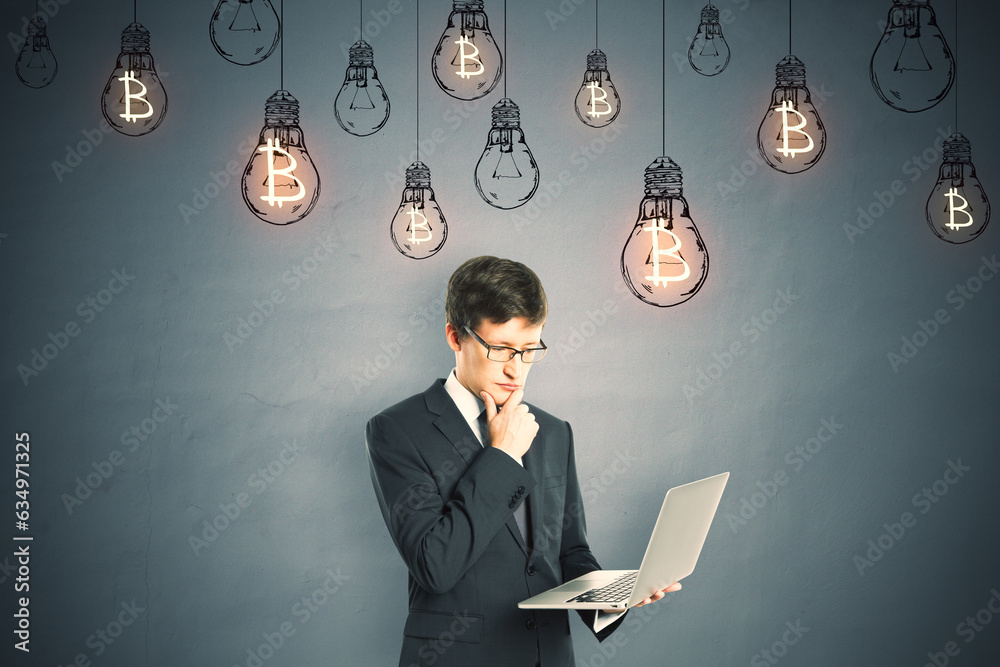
(533, 463)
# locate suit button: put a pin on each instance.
(520, 490)
(512, 503)
(531, 570)
(530, 624)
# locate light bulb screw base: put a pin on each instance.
(281, 109)
(418, 175)
(36, 27)
(467, 5)
(135, 39)
(361, 54)
(506, 114)
(664, 178)
(597, 60)
(710, 14)
(957, 148)
(790, 73)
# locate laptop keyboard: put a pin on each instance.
(618, 590)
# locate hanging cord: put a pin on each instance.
(281, 55)
(597, 25)
(361, 15)
(416, 69)
(663, 80)
(134, 14)
(506, 65)
(956, 66)
(789, 27)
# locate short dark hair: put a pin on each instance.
(494, 289)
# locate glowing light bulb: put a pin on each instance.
(36, 64)
(134, 101)
(244, 32)
(791, 137)
(597, 103)
(467, 63)
(418, 229)
(362, 106)
(506, 175)
(912, 68)
(664, 261)
(280, 183)
(957, 210)
(709, 53)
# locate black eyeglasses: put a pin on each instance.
(505, 354)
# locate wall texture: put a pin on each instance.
(198, 477)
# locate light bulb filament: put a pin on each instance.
(671, 254)
(594, 99)
(270, 197)
(139, 97)
(461, 57)
(786, 108)
(245, 19)
(952, 210)
(418, 225)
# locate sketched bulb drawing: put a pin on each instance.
(244, 32)
(709, 52)
(664, 261)
(36, 64)
(506, 175)
(791, 137)
(467, 63)
(362, 107)
(134, 101)
(912, 68)
(597, 103)
(957, 210)
(280, 183)
(418, 229)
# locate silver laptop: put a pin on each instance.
(673, 550)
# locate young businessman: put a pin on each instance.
(479, 490)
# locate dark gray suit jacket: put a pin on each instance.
(449, 505)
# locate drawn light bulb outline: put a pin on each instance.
(418, 228)
(281, 184)
(791, 137)
(597, 103)
(467, 63)
(709, 52)
(244, 32)
(912, 68)
(957, 209)
(36, 65)
(506, 174)
(134, 101)
(664, 262)
(361, 106)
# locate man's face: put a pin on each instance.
(499, 379)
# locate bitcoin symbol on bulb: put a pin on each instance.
(671, 253)
(786, 108)
(594, 99)
(129, 96)
(418, 225)
(272, 173)
(952, 210)
(462, 57)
